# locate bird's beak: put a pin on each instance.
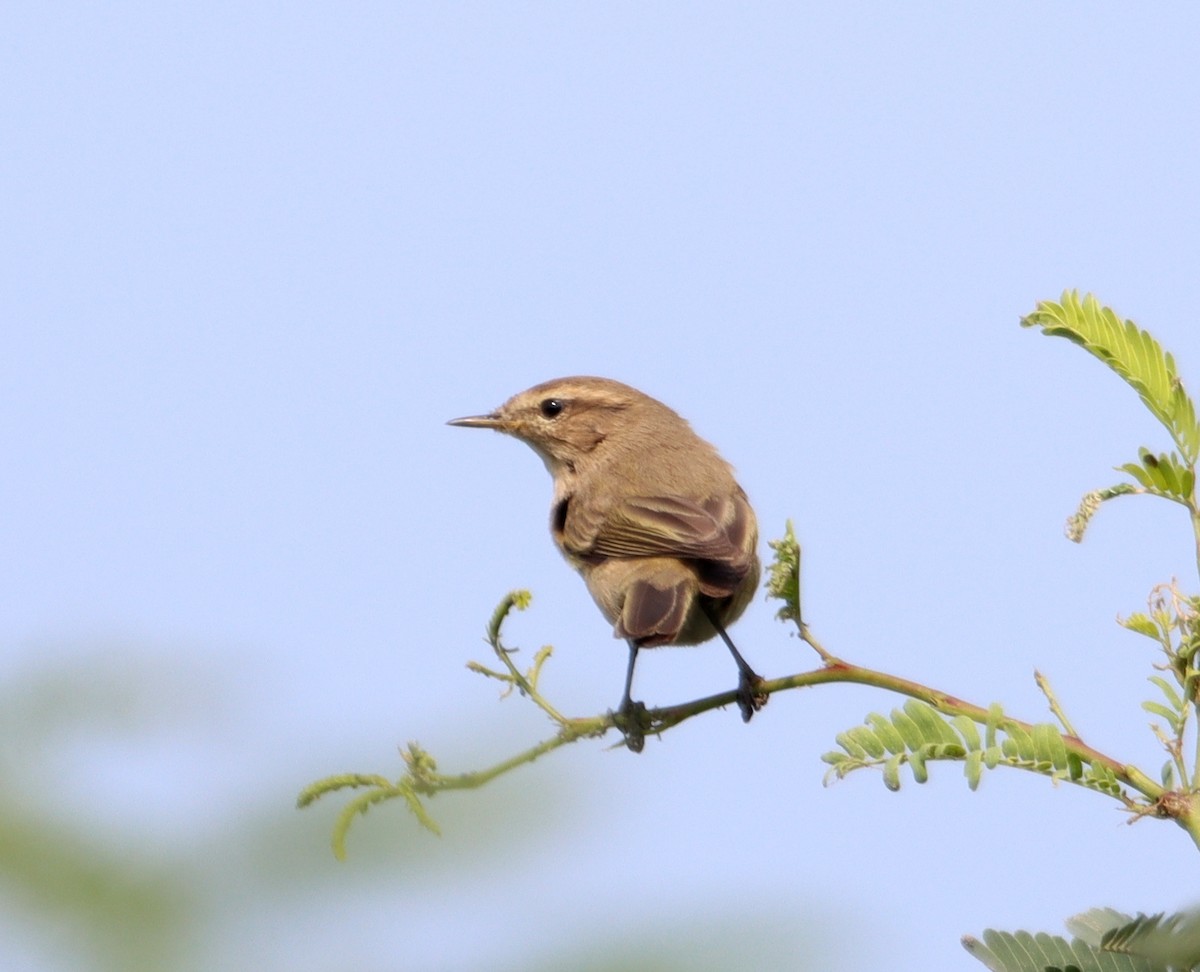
(492, 421)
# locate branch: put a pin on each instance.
(422, 779)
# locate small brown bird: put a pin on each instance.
(647, 512)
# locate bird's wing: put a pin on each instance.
(719, 531)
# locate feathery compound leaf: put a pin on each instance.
(1022, 952)
(913, 735)
(1132, 353)
(1091, 925)
(1172, 940)
(783, 578)
(917, 734)
(1164, 474)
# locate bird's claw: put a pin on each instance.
(630, 719)
(750, 697)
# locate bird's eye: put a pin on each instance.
(551, 407)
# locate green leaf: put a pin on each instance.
(995, 719)
(973, 768)
(868, 741)
(908, 729)
(1002, 955)
(1074, 766)
(848, 743)
(1168, 716)
(1172, 940)
(933, 727)
(1164, 474)
(1133, 354)
(1141, 624)
(1169, 471)
(969, 732)
(978, 950)
(916, 761)
(918, 734)
(891, 773)
(1021, 741)
(1168, 690)
(1137, 472)
(1022, 952)
(887, 733)
(1089, 926)
(1048, 745)
(1100, 777)
(954, 750)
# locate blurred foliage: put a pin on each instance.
(706, 943)
(88, 889)
(1105, 941)
(109, 901)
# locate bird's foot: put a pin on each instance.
(630, 718)
(750, 696)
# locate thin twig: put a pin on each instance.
(1059, 713)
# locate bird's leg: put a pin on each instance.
(631, 712)
(749, 699)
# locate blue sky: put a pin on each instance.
(254, 257)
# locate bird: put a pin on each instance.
(648, 513)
